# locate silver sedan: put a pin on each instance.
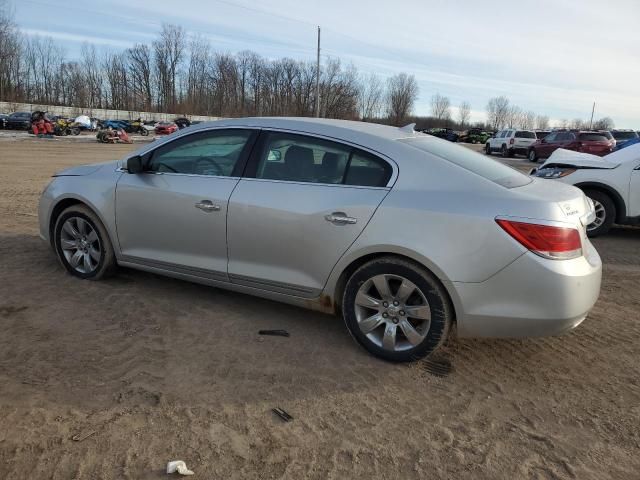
(401, 233)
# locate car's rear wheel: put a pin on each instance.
(396, 309)
(82, 244)
(532, 155)
(504, 151)
(487, 149)
(605, 213)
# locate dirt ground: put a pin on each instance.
(144, 369)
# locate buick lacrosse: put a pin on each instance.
(403, 234)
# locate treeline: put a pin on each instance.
(182, 74)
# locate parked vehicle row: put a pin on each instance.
(23, 121)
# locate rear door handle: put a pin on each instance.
(340, 218)
(207, 206)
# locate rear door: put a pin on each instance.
(304, 202)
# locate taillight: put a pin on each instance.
(558, 243)
(511, 142)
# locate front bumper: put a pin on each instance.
(531, 297)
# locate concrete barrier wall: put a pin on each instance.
(101, 113)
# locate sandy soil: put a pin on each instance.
(146, 369)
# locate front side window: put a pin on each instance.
(215, 152)
(299, 158)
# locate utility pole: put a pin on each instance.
(318, 77)
(593, 109)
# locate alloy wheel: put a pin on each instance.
(80, 245)
(601, 216)
(392, 312)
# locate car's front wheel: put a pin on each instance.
(487, 149)
(605, 211)
(82, 244)
(396, 309)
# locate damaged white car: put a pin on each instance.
(612, 182)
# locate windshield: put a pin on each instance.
(469, 160)
(624, 135)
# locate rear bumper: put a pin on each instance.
(531, 297)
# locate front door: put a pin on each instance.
(173, 215)
(307, 202)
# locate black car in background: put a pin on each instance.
(182, 122)
(19, 121)
(446, 133)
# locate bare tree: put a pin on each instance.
(440, 107)
(92, 75)
(542, 122)
(402, 92)
(498, 112)
(464, 112)
(514, 116)
(169, 52)
(140, 71)
(577, 123)
(528, 120)
(605, 123)
(370, 97)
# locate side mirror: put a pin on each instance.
(134, 164)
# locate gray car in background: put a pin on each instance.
(401, 233)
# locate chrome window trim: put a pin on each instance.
(338, 185)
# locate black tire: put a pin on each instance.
(487, 149)
(75, 131)
(504, 151)
(441, 310)
(106, 265)
(532, 156)
(603, 199)
(144, 132)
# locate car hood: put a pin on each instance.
(564, 158)
(82, 170)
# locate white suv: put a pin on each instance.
(611, 182)
(511, 141)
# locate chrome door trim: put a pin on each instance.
(181, 269)
(337, 185)
(271, 285)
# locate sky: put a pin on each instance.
(552, 57)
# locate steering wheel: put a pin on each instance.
(210, 161)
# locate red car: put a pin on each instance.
(165, 128)
(595, 143)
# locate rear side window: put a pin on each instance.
(541, 134)
(593, 137)
(301, 158)
(468, 159)
(524, 134)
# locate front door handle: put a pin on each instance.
(207, 206)
(340, 218)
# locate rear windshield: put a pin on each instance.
(523, 134)
(593, 137)
(542, 134)
(468, 159)
(624, 135)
